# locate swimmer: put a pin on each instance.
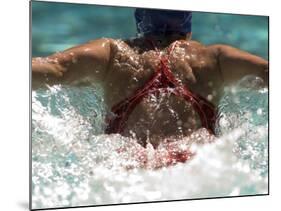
(159, 86)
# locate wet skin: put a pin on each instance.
(125, 66)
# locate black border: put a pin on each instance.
(30, 107)
(132, 203)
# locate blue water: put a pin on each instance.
(74, 163)
(58, 26)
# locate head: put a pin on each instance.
(164, 23)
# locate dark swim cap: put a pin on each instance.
(163, 22)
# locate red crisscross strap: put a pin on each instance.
(162, 81)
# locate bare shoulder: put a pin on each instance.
(198, 55)
(125, 56)
(193, 43)
(98, 48)
(88, 60)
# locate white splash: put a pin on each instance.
(73, 163)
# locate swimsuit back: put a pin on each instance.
(162, 81)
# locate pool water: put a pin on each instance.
(58, 26)
(75, 164)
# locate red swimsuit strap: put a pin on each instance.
(163, 80)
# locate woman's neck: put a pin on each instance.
(148, 42)
(164, 41)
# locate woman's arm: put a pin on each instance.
(234, 63)
(88, 60)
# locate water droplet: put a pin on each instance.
(74, 60)
(179, 122)
(210, 97)
(259, 111)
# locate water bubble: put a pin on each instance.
(210, 97)
(74, 60)
(259, 111)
